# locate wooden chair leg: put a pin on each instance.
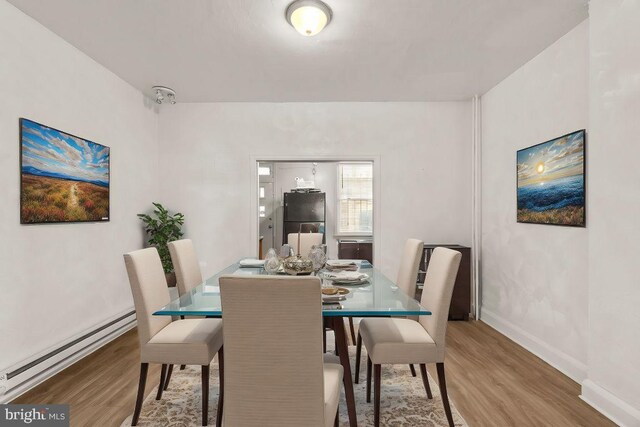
(221, 394)
(368, 379)
(352, 329)
(166, 382)
(144, 368)
(182, 367)
(205, 395)
(163, 376)
(358, 354)
(324, 340)
(442, 382)
(425, 380)
(377, 369)
(413, 370)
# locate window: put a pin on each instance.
(355, 198)
(264, 170)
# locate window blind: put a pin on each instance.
(355, 198)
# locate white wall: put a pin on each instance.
(572, 295)
(534, 277)
(59, 280)
(614, 210)
(424, 150)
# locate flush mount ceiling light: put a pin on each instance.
(162, 92)
(308, 17)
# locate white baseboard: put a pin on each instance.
(617, 410)
(566, 364)
(91, 345)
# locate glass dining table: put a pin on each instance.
(378, 297)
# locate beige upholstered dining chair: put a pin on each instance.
(186, 265)
(307, 241)
(400, 341)
(188, 342)
(409, 265)
(188, 275)
(274, 373)
(407, 279)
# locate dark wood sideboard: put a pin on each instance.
(355, 249)
(461, 299)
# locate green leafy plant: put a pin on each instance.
(162, 228)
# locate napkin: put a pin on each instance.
(339, 262)
(346, 275)
(334, 265)
(249, 262)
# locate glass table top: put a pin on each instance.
(379, 297)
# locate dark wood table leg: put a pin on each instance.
(343, 351)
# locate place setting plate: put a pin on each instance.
(334, 291)
(345, 281)
(334, 294)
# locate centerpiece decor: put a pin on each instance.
(318, 256)
(298, 265)
(272, 262)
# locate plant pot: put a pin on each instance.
(171, 279)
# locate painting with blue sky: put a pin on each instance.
(551, 181)
(64, 178)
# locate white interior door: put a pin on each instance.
(266, 211)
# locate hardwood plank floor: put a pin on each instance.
(495, 382)
(491, 380)
(101, 388)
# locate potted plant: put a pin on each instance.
(162, 228)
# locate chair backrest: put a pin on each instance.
(307, 240)
(186, 265)
(408, 273)
(436, 294)
(273, 373)
(149, 289)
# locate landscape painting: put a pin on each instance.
(63, 178)
(551, 181)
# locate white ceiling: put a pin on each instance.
(373, 50)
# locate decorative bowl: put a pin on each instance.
(297, 265)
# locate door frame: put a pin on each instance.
(273, 207)
(321, 158)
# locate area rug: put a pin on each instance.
(403, 400)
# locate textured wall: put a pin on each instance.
(59, 280)
(534, 277)
(424, 148)
(614, 217)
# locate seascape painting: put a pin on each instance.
(551, 181)
(63, 178)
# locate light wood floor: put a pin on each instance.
(491, 380)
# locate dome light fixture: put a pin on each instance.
(308, 17)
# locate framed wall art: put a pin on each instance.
(551, 181)
(64, 178)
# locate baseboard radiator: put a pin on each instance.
(23, 376)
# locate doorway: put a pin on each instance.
(266, 208)
(331, 197)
